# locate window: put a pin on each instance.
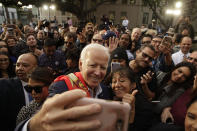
(145, 18)
(132, 2)
(124, 1)
(123, 14)
(13, 15)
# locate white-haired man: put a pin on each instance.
(135, 38)
(93, 65)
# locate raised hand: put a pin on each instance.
(113, 43)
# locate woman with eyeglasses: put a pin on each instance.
(38, 84)
(6, 66)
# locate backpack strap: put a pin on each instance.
(73, 82)
(78, 83)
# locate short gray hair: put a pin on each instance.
(92, 47)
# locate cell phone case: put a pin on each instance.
(114, 115)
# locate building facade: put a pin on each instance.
(134, 10)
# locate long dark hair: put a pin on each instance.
(127, 72)
(189, 80)
(42, 74)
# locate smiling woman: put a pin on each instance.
(6, 66)
(38, 84)
(123, 86)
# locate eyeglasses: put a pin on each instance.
(147, 56)
(4, 60)
(95, 40)
(190, 58)
(146, 42)
(157, 41)
(69, 43)
(37, 89)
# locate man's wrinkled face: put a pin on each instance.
(135, 35)
(94, 67)
(144, 57)
(186, 44)
(124, 40)
(24, 66)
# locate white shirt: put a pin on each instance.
(125, 22)
(178, 57)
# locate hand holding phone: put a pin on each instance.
(114, 115)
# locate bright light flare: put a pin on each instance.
(45, 7)
(178, 4)
(52, 7)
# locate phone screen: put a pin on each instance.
(115, 66)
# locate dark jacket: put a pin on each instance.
(12, 99)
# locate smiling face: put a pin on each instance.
(93, 68)
(191, 118)
(180, 74)
(186, 44)
(11, 42)
(25, 65)
(144, 57)
(121, 85)
(4, 62)
(124, 40)
(31, 41)
(156, 42)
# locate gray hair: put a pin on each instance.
(135, 30)
(93, 47)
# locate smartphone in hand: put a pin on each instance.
(114, 115)
(115, 66)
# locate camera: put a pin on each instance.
(10, 31)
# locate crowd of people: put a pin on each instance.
(43, 68)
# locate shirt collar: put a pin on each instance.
(98, 91)
(182, 54)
